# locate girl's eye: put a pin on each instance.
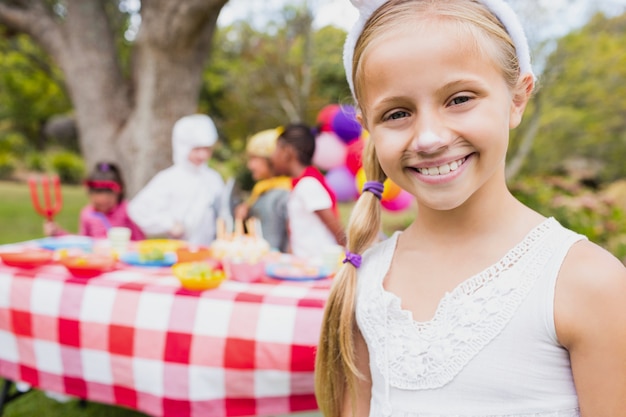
(397, 115)
(459, 100)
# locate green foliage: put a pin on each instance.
(583, 90)
(36, 161)
(30, 89)
(259, 79)
(581, 209)
(7, 165)
(69, 166)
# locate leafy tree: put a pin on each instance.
(31, 90)
(125, 100)
(286, 71)
(583, 101)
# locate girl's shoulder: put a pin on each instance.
(591, 289)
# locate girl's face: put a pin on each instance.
(259, 167)
(200, 156)
(439, 112)
(103, 201)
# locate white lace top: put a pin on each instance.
(491, 348)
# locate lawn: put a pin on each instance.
(19, 222)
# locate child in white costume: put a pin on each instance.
(181, 201)
(481, 307)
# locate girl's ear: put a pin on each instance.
(522, 93)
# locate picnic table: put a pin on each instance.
(133, 337)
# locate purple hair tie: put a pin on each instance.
(375, 188)
(353, 258)
(104, 167)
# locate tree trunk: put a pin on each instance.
(126, 119)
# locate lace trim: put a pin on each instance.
(420, 355)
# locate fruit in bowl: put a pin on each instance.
(88, 266)
(199, 276)
(30, 258)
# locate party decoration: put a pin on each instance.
(341, 181)
(391, 189)
(325, 117)
(345, 125)
(330, 151)
(402, 202)
(354, 155)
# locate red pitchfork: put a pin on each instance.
(49, 210)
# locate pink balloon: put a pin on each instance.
(402, 202)
(341, 180)
(330, 151)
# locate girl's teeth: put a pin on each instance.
(443, 169)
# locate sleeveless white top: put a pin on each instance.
(491, 348)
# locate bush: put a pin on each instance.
(584, 210)
(7, 165)
(14, 143)
(36, 162)
(69, 166)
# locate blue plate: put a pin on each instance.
(290, 272)
(66, 242)
(133, 258)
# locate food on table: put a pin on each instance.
(28, 258)
(87, 266)
(198, 276)
(152, 255)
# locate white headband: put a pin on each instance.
(499, 8)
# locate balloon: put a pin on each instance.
(330, 151)
(390, 192)
(354, 156)
(341, 180)
(345, 125)
(402, 202)
(325, 117)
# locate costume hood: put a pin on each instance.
(194, 131)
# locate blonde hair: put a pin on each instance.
(336, 371)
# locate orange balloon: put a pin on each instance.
(391, 189)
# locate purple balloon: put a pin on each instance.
(342, 182)
(402, 202)
(345, 125)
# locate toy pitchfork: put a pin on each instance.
(50, 209)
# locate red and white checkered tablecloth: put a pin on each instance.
(133, 337)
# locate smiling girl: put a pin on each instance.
(482, 306)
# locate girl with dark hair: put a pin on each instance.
(106, 208)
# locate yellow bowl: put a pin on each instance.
(198, 276)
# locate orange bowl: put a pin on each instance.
(88, 266)
(188, 254)
(30, 258)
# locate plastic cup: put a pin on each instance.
(331, 257)
(119, 239)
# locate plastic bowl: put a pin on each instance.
(193, 254)
(243, 271)
(88, 266)
(30, 258)
(198, 276)
(162, 245)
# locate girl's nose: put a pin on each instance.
(427, 141)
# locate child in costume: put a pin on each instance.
(107, 207)
(268, 199)
(314, 222)
(181, 201)
(482, 306)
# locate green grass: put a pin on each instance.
(19, 222)
(18, 219)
